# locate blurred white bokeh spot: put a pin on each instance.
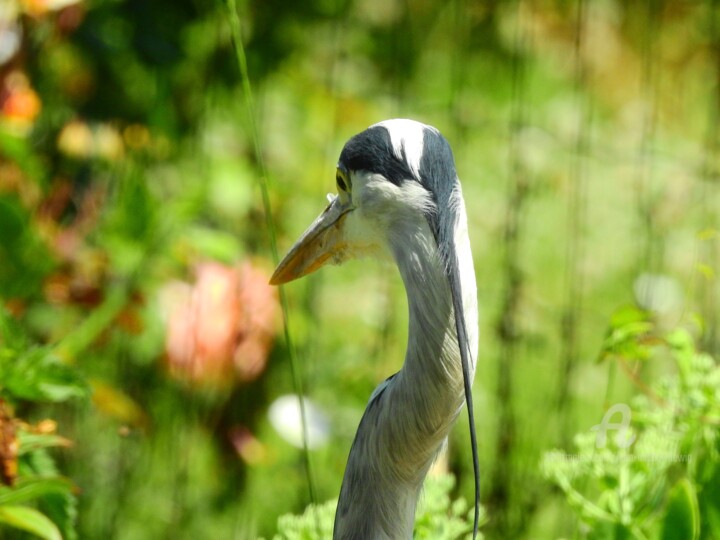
(659, 293)
(284, 414)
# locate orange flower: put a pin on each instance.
(19, 103)
(38, 8)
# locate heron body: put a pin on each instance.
(399, 196)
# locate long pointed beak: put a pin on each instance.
(323, 242)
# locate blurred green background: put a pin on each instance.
(134, 246)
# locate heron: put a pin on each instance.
(399, 198)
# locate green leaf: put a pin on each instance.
(682, 518)
(30, 520)
(62, 509)
(39, 463)
(28, 489)
(39, 375)
(29, 442)
(628, 315)
(627, 335)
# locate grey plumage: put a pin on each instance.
(399, 195)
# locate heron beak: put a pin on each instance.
(323, 242)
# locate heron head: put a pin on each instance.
(397, 185)
(393, 179)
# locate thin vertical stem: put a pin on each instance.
(577, 204)
(332, 76)
(270, 224)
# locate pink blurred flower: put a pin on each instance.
(247, 446)
(258, 321)
(221, 327)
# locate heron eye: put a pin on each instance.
(341, 181)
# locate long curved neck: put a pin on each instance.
(409, 416)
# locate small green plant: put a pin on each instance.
(438, 516)
(660, 478)
(34, 497)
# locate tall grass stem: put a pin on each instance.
(270, 224)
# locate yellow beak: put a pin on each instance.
(323, 242)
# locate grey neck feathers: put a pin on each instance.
(410, 415)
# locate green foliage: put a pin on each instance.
(663, 485)
(33, 487)
(39, 500)
(682, 516)
(39, 375)
(30, 520)
(628, 335)
(140, 163)
(25, 258)
(438, 517)
(31, 372)
(315, 523)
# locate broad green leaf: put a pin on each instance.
(62, 509)
(28, 489)
(39, 463)
(682, 518)
(30, 520)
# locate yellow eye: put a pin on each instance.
(340, 179)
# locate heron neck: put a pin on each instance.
(409, 416)
(432, 372)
